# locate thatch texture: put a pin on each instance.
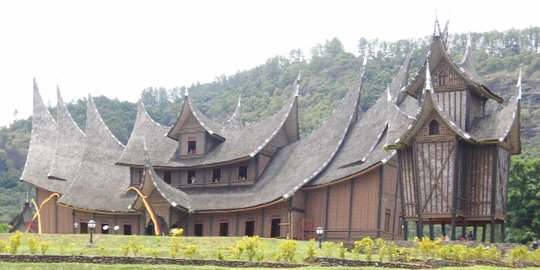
(69, 144)
(42, 148)
(99, 184)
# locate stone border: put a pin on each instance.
(140, 260)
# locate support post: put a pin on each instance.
(475, 230)
(503, 233)
(405, 229)
(380, 199)
(326, 212)
(431, 233)
(351, 195)
(484, 226)
(443, 228)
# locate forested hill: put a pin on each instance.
(326, 75)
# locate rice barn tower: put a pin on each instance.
(454, 158)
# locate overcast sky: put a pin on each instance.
(118, 48)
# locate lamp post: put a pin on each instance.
(320, 232)
(91, 226)
(75, 226)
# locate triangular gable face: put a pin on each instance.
(434, 128)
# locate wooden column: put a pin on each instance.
(380, 195)
(493, 194)
(237, 223)
(326, 212)
(262, 222)
(395, 212)
(211, 224)
(419, 224)
(55, 215)
(503, 233)
(431, 233)
(351, 195)
(464, 228)
(256, 167)
(405, 229)
(443, 228)
(475, 230)
(455, 188)
(402, 191)
(484, 226)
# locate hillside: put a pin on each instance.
(326, 75)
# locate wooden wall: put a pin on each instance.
(478, 176)
(136, 222)
(54, 218)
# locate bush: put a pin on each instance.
(14, 242)
(428, 248)
(456, 252)
(286, 251)
(33, 245)
(328, 249)
(174, 246)
(177, 232)
(342, 249)
(251, 246)
(3, 246)
(364, 246)
(480, 252)
(519, 253)
(44, 246)
(190, 251)
(310, 252)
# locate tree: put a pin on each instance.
(523, 203)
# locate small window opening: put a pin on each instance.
(198, 230)
(167, 177)
(192, 147)
(387, 220)
(443, 78)
(136, 176)
(242, 173)
(127, 229)
(84, 227)
(433, 127)
(216, 175)
(224, 229)
(191, 178)
(250, 228)
(274, 229)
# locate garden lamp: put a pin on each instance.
(320, 232)
(91, 226)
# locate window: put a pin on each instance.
(387, 220)
(84, 227)
(127, 229)
(104, 228)
(274, 230)
(216, 175)
(242, 172)
(443, 77)
(250, 228)
(224, 229)
(191, 178)
(433, 127)
(167, 177)
(198, 229)
(192, 147)
(136, 176)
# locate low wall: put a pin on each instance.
(139, 260)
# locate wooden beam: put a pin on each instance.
(380, 195)
(351, 194)
(419, 225)
(493, 194)
(326, 212)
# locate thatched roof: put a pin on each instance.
(240, 143)
(42, 148)
(69, 144)
(235, 120)
(99, 184)
(438, 52)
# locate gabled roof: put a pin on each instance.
(99, 184)
(42, 148)
(502, 124)
(241, 143)
(292, 166)
(69, 144)
(189, 110)
(437, 53)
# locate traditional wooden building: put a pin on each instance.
(359, 174)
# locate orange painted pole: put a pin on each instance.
(149, 208)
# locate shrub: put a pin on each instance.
(404, 255)
(102, 250)
(328, 249)
(219, 255)
(177, 232)
(14, 242)
(364, 246)
(44, 246)
(251, 246)
(135, 246)
(485, 253)
(428, 248)
(125, 250)
(3, 246)
(520, 253)
(190, 251)
(286, 251)
(153, 252)
(342, 249)
(33, 245)
(456, 252)
(310, 252)
(174, 246)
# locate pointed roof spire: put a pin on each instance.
(437, 26)
(186, 93)
(235, 121)
(445, 33)
(298, 83)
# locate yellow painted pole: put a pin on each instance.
(149, 208)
